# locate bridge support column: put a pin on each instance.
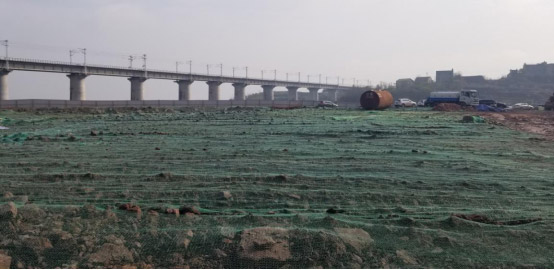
(313, 93)
(293, 93)
(4, 94)
(239, 91)
(137, 87)
(332, 93)
(77, 86)
(268, 92)
(184, 89)
(213, 90)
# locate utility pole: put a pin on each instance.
(71, 53)
(246, 72)
(274, 75)
(144, 65)
(84, 52)
(131, 58)
(190, 66)
(190, 69)
(5, 44)
(298, 76)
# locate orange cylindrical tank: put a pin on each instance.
(376, 100)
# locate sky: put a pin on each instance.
(372, 41)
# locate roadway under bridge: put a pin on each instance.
(77, 73)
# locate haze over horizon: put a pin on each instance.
(377, 41)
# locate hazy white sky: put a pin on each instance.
(377, 40)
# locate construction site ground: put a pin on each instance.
(256, 187)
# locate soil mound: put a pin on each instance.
(447, 107)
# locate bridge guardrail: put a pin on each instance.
(51, 103)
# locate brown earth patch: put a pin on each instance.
(536, 122)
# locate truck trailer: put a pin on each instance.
(464, 98)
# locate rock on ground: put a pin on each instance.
(111, 254)
(405, 257)
(5, 261)
(225, 195)
(8, 211)
(357, 238)
(265, 243)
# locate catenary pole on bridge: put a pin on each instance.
(6, 44)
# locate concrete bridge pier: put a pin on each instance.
(184, 89)
(293, 93)
(332, 93)
(268, 92)
(4, 94)
(137, 87)
(213, 90)
(313, 93)
(239, 91)
(77, 86)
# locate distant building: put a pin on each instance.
(444, 76)
(539, 70)
(513, 73)
(403, 84)
(423, 80)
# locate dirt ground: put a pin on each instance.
(270, 188)
(537, 122)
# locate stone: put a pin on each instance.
(184, 239)
(31, 212)
(8, 211)
(356, 238)
(5, 261)
(264, 243)
(36, 243)
(111, 254)
(295, 196)
(219, 253)
(130, 207)
(172, 211)
(8, 195)
(225, 195)
(405, 257)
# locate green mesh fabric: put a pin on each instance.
(332, 188)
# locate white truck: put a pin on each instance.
(464, 98)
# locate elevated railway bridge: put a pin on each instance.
(77, 73)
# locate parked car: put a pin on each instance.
(522, 106)
(421, 103)
(327, 104)
(488, 102)
(404, 102)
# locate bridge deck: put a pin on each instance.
(100, 70)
